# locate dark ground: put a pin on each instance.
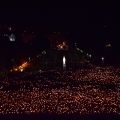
(61, 117)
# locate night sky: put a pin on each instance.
(90, 23)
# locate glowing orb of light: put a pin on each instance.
(64, 60)
(12, 37)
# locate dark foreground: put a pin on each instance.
(61, 117)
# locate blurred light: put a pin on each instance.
(109, 45)
(12, 60)
(78, 49)
(21, 69)
(9, 28)
(89, 55)
(44, 52)
(64, 60)
(12, 37)
(29, 59)
(16, 69)
(63, 43)
(102, 58)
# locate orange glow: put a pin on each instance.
(16, 69)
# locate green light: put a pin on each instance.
(87, 54)
(44, 52)
(78, 49)
(81, 51)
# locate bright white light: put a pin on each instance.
(102, 58)
(21, 69)
(89, 55)
(12, 37)
(64, 60)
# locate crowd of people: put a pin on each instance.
(83, 91)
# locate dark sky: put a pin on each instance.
(89, 21)
(64, 14)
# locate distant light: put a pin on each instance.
(61, 47)
(109, 45)
(21, 70)
(12, 37)
(78, 49)
(10, 28)
(102, 58)
(89, 55)
(64, 60)
(38, 55)
(44, 52)
(5, 34)
(11, 59)
(29, 58)
(16, 69)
